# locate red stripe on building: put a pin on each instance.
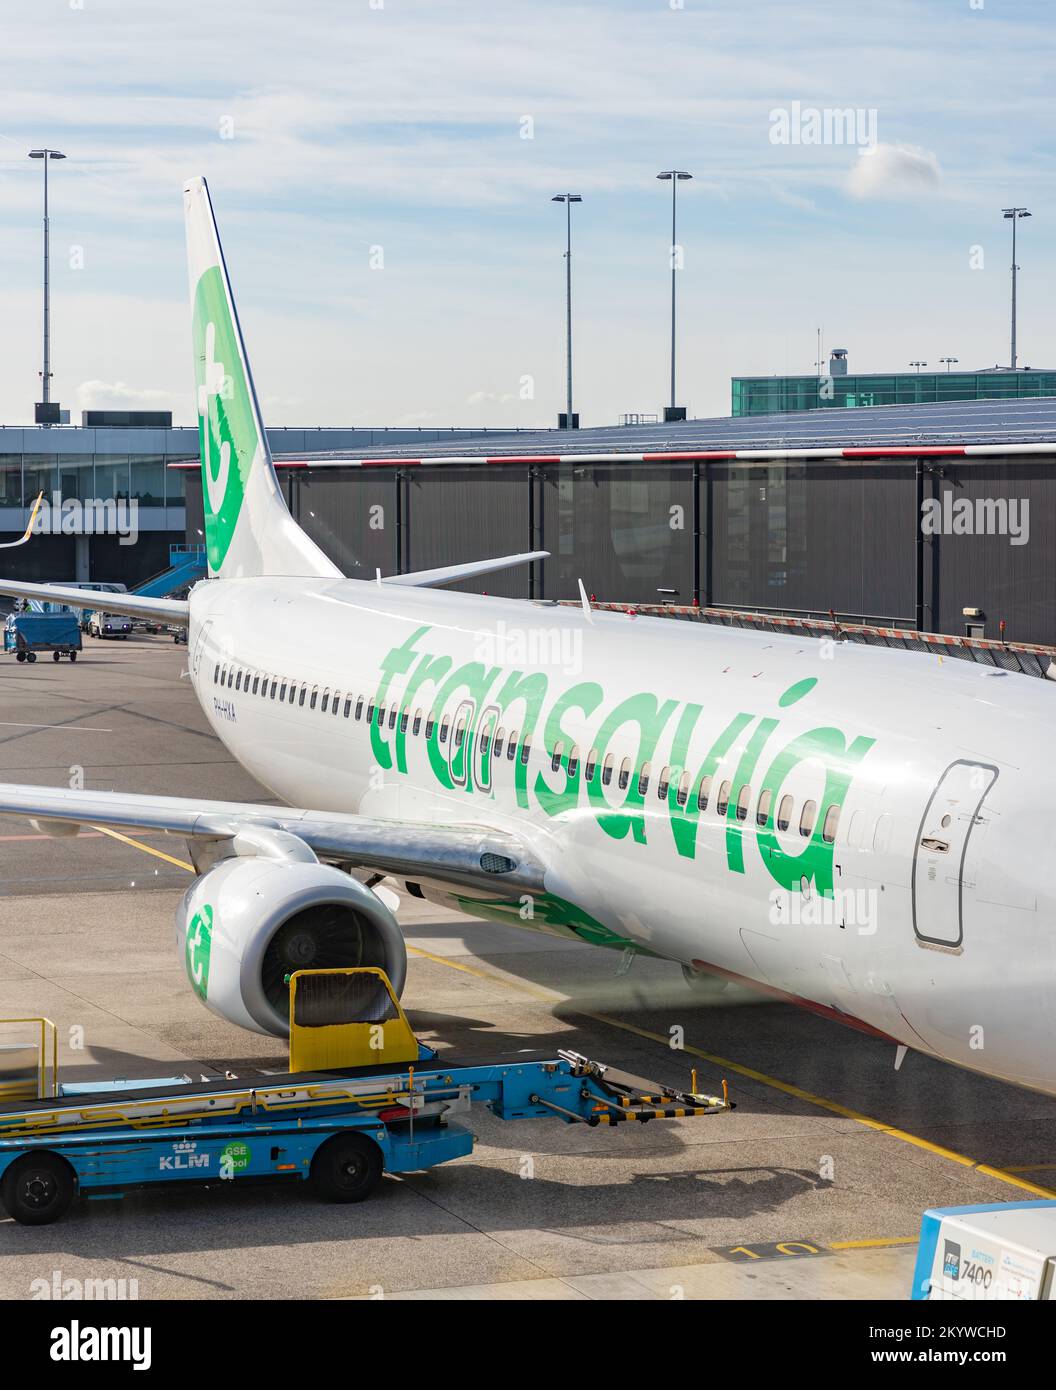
(911, 451)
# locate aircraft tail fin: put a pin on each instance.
(248, 527)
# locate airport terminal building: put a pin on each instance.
(931, 518)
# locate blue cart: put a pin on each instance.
(362, 1097)
(28, 633)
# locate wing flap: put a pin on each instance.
(470, 855)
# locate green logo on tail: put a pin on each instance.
(226, 427)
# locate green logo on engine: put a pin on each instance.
(199, 945)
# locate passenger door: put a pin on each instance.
(941, 849)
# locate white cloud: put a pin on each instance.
(118, 395)
(894, 171)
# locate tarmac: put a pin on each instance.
(813, 1188)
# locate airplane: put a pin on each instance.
(865, 832)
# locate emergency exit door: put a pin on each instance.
(941, 852)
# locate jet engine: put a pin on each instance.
(249, 922)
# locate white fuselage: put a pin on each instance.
(907, 892)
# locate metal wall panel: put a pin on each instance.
(626, 530)
(810, 537)
(986, 569)
(351, 514)
(460, 514)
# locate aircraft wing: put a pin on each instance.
(470, 855)
(163, 610)
(450, 574)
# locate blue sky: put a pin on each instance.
(399, 124)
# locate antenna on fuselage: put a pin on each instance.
(587, 611)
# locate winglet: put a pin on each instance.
(450, 574)
(10, 545)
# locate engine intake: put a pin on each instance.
(248, 923)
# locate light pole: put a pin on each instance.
(918, 365)
(46, 155)
(949, 361)
(673, 412)
(1013, 215)
(568, 199)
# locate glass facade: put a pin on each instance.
(774, 395)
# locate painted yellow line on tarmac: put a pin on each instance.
(147, 849)
(872, 1244)
(725, 1064)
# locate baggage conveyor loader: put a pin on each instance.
(362, 1096)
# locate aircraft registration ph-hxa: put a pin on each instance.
(868, 834)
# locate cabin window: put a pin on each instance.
(282, 690)
(762, 811)
(832, 820)
(606, 770)
(682, 795)
(592, 763)
(643, 780)
(784, 813)
(663, 784)
(238, 679)
(724, 799)
(555, 757)
(315, 697)
(430, 725)
(359, 708)
(573, 760)
(348, 705)
(625, 774)
(744, 796)
(274, 686)
(303, 695)
(405, 719)
(416, 728)
(460, 732)
(806, 819)
(325, 705)
(526, 748)
(336, 701)
(444, 727)
(216, 673)
(511, 747)
(256, 685)
(500, 739)
(703, 792)
(392, 716)
(485, 744)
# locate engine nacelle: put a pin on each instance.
(249, 922)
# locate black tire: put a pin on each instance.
(73, 656)
(31, 656)
(38, 1188)
(347, 1168)
(55, 656)
(20, 656)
